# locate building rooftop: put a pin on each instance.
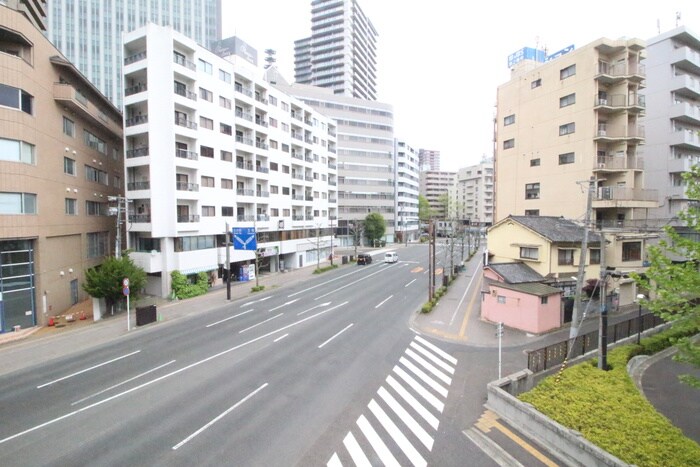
(555, 229)
(516, 273)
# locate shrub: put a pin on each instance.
(325, 269)
(182, 288)
(257, 288)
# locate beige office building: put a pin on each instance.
(472, 194)
(574, 118)
(435, 186)
(61, 159)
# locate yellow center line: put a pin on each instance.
(476, 292)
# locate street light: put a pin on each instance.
(640, 297)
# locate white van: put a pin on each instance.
(391, 257)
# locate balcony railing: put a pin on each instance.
(184, 62)
(135, 89)
(261, 145)
(618, 193)
(262, 194)
(261, 169)
(188, 218)
(239, 88)
(263, 217)
(244, 165)
(186, 186)
(132, 186)
(297, 218)
(245, 192)
(137, 120)
(244, 115)
(244, 140)
(620, 163)
(135, 58)
(245, 218)
(298, 197)
(186, 123)
(138, 152)
(185, 154)
(139, 218)
(185, 93)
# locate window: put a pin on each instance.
(273, 144)
(509, 143)
(207, 123)
(509, 120)
(16, 98)
(272, 100)
(97, 244)
(227, 211)
(95, 175)
(225, 76)
(226, 184)
(285, 169)
(567, 100)
(286, 212)
(285, 147)
(568, 71)
(93, 208)
(16, 151)
(536, 83)
(226, 156)
(529, 252)
(71, 207)
(274, 167)
(94, 142)
(206, 151)
(631, 251)
(207, 181)
(285, 127)
(206, 95)
(543, 300)
(205, 67)
(534, 162)
(285, 190)
(17, 203)
(567, 129)
(224, 102)
(69, 166)
(273, 122)
(566, 257)
(532, 212)
(567, 158)
(208, 211)
(274, 212)
(501, 299)
(274, 189)
(594, 255)
(68, 127)
(532, 191)
(225, 129)
(284, 106)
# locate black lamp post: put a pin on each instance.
(640, 297)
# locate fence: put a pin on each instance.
(552, 355)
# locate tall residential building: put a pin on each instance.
(673, 117)
(473, 194)
(429, 159)
(435, 186)
(90, 33)
(365, 151)
(60, 161)
(341, 52)
(407, 191)
(220, 147)
(33, 10)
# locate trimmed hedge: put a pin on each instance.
(182, 288)
(608, 409)
(325, 269)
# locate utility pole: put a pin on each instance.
(603, 324)
(432, 256)
(228, 263)
(577, 315)
(332, 235)
(431, 272)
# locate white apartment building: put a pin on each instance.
(407, 191)
(341, 52)
(429, 159)
(435, 186)
(472, 194)
(673, 118)
(89, 33)
(220, 147)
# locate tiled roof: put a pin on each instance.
(556, 229)
(532, 288)
(516, 273)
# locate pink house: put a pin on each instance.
(514, 294)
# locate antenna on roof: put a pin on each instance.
(678, 18)
(270, 57)
(658, 26)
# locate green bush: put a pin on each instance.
(182, 288)
(427, 307)
(325, 269)
(257, 288)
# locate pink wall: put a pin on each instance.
(520, 310)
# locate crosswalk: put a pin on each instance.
(398, 425)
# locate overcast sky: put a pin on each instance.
(440, 61)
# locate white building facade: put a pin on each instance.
(407, 191)
(220, 148)
(473, 194)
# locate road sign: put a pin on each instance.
(125, 291)
(125, 282)
(244, 238)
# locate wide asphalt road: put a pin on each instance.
(324, 372)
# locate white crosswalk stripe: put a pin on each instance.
(405, 414)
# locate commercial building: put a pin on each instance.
(407, 191)
(672, 119)
(61, 160)
(435, 186)
(341, 53)
(429, 159)
(472, 195)
(221, 147)
(90, 33)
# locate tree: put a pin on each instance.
(675, 285)
(105, 280)
(375, 227)
(424, 211)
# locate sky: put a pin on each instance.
(439, 63)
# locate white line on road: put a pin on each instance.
(87, 369)
(336, 335)
(283, 305)
(230, 317)
(324, 283)
(437, 350)
(400, 439)
(380, 448)
(123, 382)
(313, 308)
(413, 402)
(429, 366)
(356, 452)
(219, 417)
(256, 301)
(408, 420)
(335, 461)
(433, 358)
(424, 376)
(387, 299)
(410, 283)
(427, 395)
(280, 338)
(464, 295)
(261, 322)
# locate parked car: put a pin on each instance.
(364, 258)
(391, 257)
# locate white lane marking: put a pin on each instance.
(424, 376)
(413, 402)
(400, 439)
(219, 417)
(410, 283)
(334, 462)
(379, 447)
(325, 283)
(408, 420)
(282, 305)
(433, 358)
(429, 366)
(387, 299)
(313, 308)
(87, 369)
(464, 295)
(256, 301)
(437, 350)
(356, 452)
(160, 378)
(366, 276)
(432, 400)
(337, 334)
(123, 382)
(261, 322)
(280, 338)
(230, 317)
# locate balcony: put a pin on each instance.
(686, 113)
(298, 197)
(137, 120)
(139, 218)
(263, 217)
(261, 145)
(680, 165)
(184, 62)
(244, 140)
(687, 59)
(624, 197)
(244, 165)
(186, 186)
(137, 57)
(612, 163)
(139, 152)
(245, 192)
(185, 92)
(245, 218)
(131, 90)
(686, 139)
(609, 133)
(246, 92)
(244, 115)
(297, 218)
(261, 169)
(185, 123)
(70, 97)
(188, 218)
(133, 186)
(614, 73)
(185, 154)
(262, 194)
(297, 155)
(686, 86)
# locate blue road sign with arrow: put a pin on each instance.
(244, 238)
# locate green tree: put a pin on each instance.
(375, 227)
(675, 285)
(105, 280)
(424, 211)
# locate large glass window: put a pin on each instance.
(69, 166)
(566, 257)
(529, 252)
(16, 151)
(68, 127)
(17, 203)
(632, 251)
(532, 191)
(97, 244)
(16, 98)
